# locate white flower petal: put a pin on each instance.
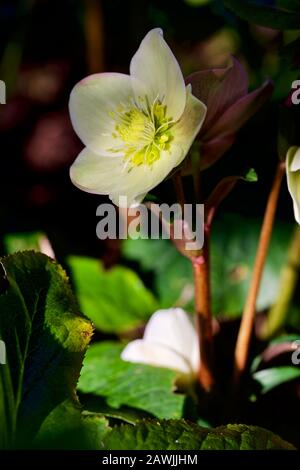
(293, 178)
(131, 200)
(94, 173)
(190, 122)
(139, 351)
(173, 329)
(295, 161)
(91, 103)
(158, 75)
(104, 175)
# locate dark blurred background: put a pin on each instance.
(46, 46)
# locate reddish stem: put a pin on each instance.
(247, 323)
(177, 180)
(203, 315)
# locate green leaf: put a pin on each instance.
(233, 249)
(45, 339)
(255, 12)
(271, 378)
(181, 435)
(173, 275)
(68, 427)
(123, 383)
(234, 245)
(251, 176)
(284, 339)
(97, 404)
(116, 300)
(14, 242)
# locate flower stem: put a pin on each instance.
(179, 189)
(288, 281)
(203, 315)
(202, 299)
(247, 323)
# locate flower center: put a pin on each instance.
(145, 131)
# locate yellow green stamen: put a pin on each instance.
(145, 131)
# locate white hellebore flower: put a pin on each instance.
(170, 340)
(293, 178)
(137, 127)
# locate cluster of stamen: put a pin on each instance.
(145, 130)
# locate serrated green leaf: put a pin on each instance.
(68, 427)
(45, 339)
(271, 378)
(97, 404)
(233, 248)
(115, 300)
(181, 435)
(255, 12)
(123, 383)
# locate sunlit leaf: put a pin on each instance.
(46, 338)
